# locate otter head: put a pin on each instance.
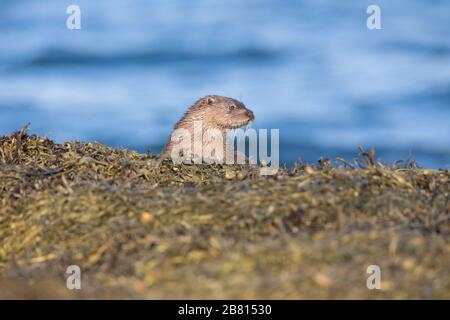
(222, 112)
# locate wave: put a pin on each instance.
(62, 57)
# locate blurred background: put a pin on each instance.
(310, 68)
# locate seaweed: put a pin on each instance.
(143, 227)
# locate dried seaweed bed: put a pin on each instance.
(139, 227)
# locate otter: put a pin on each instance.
(204, 127)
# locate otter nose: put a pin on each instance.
(249, 114)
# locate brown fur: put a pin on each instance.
(214, 111)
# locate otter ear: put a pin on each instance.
(210, 100)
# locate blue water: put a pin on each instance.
(310, 68)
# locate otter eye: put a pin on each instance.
(232, 107)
